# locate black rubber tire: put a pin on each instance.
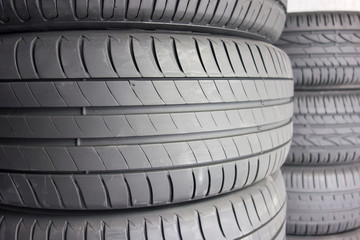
(257, 212)
(324, 47)
(131, 55)
(322, 200)
(326, 127)
(252, 18)
(352, 235)
(193, 116)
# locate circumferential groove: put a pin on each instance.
(165, 138)
(221, 162)
(148, 109)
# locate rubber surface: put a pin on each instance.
(322, 200)
(257, 212)
(323, 47)
(351, 235)
(193, 116)
(145, 184)
(116, 54)
(252, 18)
(326, 127)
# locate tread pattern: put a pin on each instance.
(324, 48)
(322, 200)
(261, 18)
(351, 235)
(140, 93)
(321, 21)
(114, 55)
(135, 125)
(139, 156)
(326, 127)
(256, 212)
(193, 116)
(136, 183)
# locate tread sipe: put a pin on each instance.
(193, 116)
(323, 47)
(326, 127)
(252, 18)
(322, 200)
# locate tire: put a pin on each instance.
(251, 18)
(86, 136)
(256, 212)
(322, 200)
(352, 235)
(326, 127)
(323, 47)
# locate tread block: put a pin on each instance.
(322, 53)
(338, 141)
(322, 200)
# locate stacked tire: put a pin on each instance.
(113, 127)
(322, 171)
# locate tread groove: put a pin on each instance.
(132, 54)
(109, 54)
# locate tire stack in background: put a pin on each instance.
(322, 171)
(111, 132)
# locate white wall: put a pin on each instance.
(323, 5)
